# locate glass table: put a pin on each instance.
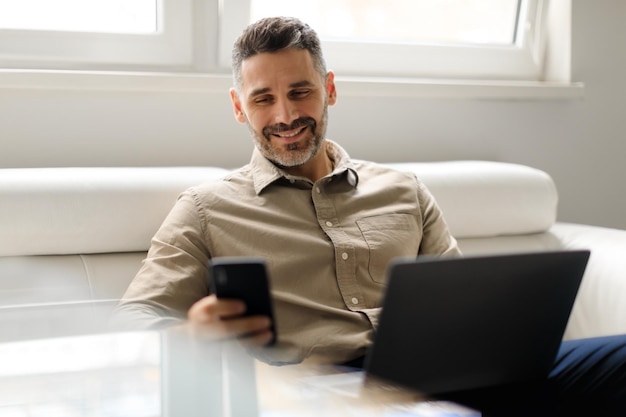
(173, 374)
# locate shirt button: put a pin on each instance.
(329, 224)
(318, 190)
(291, 180)
(355, 300)
(344, 256)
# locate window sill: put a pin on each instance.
(347, 86)
(460, 89)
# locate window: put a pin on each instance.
(96, 34)
(105, 16)
(404, 21)
(481, 39)
(463, 39)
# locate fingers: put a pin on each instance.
(211, 310)
(259, 339)
(214, 319)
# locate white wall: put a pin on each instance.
(581, 143)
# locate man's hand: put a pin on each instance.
(221, 319)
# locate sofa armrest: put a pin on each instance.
(600, 307)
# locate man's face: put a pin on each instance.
(284, 102)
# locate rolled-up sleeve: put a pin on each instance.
(174, 274)
(436, 239)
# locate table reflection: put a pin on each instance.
(175, 374)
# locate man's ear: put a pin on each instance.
(237, 109)
(331, 89)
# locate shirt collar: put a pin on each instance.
(264, 172)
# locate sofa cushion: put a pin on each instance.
(483, 199)
(62, 295)
(47, 211)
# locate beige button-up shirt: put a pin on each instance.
(327, 245)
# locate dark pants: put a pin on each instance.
(588, 379)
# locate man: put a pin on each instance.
(327, 225)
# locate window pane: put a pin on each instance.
(405, 21)
(107, 16)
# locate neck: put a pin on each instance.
(317, 167)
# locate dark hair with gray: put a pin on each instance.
(273, 34)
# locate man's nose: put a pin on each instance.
(286, 112)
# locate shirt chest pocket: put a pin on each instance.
(386, 237)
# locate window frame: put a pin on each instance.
(171, 47)
(197, 38)
(521, 61)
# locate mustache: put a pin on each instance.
(296, 124)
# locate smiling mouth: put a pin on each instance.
(291, 134)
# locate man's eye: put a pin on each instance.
(300, 93)
(262, 100)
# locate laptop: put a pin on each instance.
(454, 324)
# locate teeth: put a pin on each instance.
(290, 135)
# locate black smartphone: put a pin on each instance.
(243, 278)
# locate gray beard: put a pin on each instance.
(295, 154)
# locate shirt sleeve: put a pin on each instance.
(436, 239)
(174, 274)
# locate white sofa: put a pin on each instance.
(71, 239)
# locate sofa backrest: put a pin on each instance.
(486, 199)
(57, 211)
